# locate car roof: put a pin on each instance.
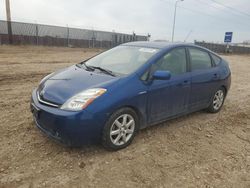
(159, 45)
(164, 45)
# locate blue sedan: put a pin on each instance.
(108, 98)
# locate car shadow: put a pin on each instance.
(176, 123)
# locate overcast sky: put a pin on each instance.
(204, 19)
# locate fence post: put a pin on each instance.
(37, 34)
(93, 38)
(93, 42)
(9, 32)
(67, 35)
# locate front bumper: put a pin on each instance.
(69, 128)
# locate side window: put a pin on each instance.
(216, 59)
(199, 59)
(174, 61)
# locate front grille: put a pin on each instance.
(42, 101)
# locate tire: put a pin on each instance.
(120, 130)
(217, 101)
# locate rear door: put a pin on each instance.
(205, 76)
(168, 98)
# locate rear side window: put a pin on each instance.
(216, 59)
(199, 59)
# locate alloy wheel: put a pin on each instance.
(122, 129)
(218, 99)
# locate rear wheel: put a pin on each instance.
(120, 129)
(217, 102)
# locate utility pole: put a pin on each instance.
(174, 18)
(8, 15)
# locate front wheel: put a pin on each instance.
(120, 129)
(217, 102)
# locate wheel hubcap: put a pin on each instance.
(122, 129)
(218, 99)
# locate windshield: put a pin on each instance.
(122, 59)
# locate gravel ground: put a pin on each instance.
(197, 150)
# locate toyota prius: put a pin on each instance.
(108, 98)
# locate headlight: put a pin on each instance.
(83, 99)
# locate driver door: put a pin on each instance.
(167, 98)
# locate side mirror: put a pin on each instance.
(162, 75)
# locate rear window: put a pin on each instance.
(216, 59)
(199, 59)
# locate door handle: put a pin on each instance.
(185, 82)
(215, 76)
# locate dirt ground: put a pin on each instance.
(198, 150)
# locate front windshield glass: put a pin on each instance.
(122, 59)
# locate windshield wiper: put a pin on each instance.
(92, 68)
(88, 68)
(103, 70)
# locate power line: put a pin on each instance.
(189, 33)
(224, 20)
(208, 15)
(225, 10)
(231, 8)
(216, 7)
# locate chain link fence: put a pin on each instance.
(224, 48)
(47, 35)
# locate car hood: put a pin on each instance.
(62, 85)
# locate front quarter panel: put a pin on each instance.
(129, 92)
